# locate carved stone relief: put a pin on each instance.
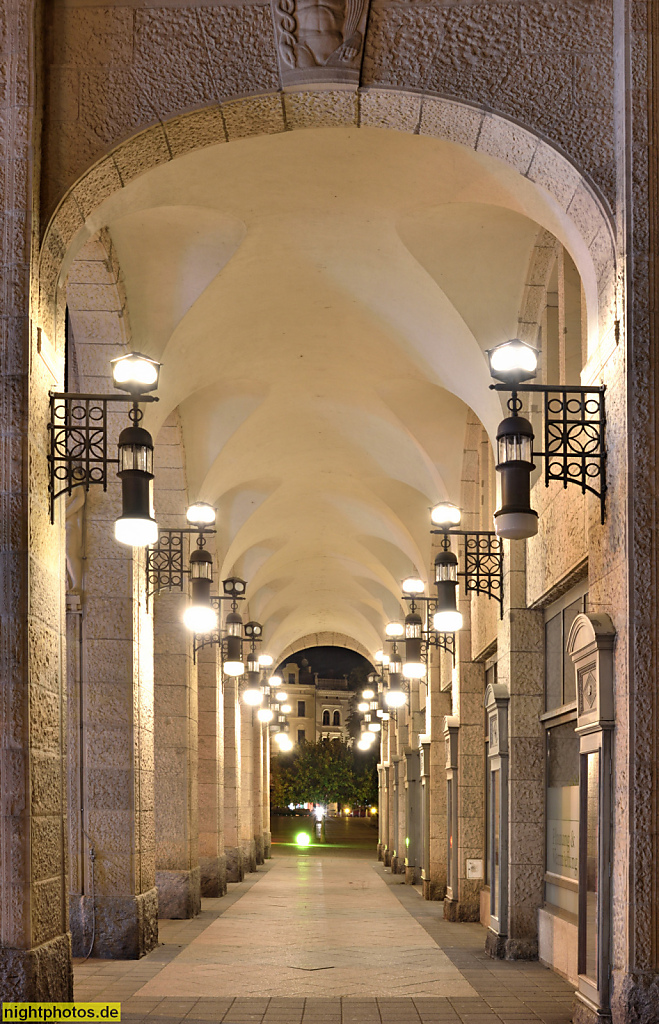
(320, 40)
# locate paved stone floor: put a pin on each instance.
(325, 936)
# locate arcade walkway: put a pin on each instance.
(324, 936)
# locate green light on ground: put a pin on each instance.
(302, 839)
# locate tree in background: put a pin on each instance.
(325, 772)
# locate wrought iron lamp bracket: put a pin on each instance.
(216, 637)
(78, 445)
(483, 562)
(574, 434)
(164, 561)
(443, 641)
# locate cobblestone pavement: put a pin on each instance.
(326, 940)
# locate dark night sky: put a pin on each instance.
(331, 662)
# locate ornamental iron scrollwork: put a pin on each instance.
(574, 440)
(78, 447)
(164, 563)
(78, 450)
(484, 564)
(214, 638)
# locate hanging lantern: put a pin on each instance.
(200, 616)
(233, 666)
(413, 667)
(447, 618)
(515, 520)
(137, 528)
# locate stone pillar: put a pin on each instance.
(212, 859)
(247, 844)
(471, 773)
(257, 789)
(267, 835)
(111, 768)
(382, 812)
(232, 781)
(390, 796)
(434, 880)
(520, 667)
(35, 951)
(177, 841)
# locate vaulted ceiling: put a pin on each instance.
(321, 302)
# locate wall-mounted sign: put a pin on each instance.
(474, 869)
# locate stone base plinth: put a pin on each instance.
(635, 997)
(40, 975)
(249, 855)
(380, 851)
(433, 890)
(397, 866)
(585, 1012)
(500, 947)
(387, 858)
(179, 893)
(461, 910)
(259, 849)
(267, 845)
(235, 864)
(495, 945)
(213, 872)
(410, 875)
(126, 927)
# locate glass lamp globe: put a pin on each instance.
(414, 670)
(362, 706)
(395, 698)
(374, 726)
(368, 694)
(513, 361)
(275, 681)
(233, 668)
(135, 373)
(265, 714)
(281, 695)
(265, 660)
(394, 629)
(286, 709)
(413, 585)
(200, 514)
(200, 618)
(445, 515)
(447, 621)
(252, 696)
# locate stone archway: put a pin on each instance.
(587, 228)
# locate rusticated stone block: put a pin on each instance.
(42, 974)
(320, 109)
(254, 115)
(234, 863)
(141, 153)
(195, 131)
(126, 926)
(379, 108)
(179, 893)
(455, 122)
(170, 60)
(507, 142)
(240, 48)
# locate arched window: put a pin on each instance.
(337, 718)
(325, 717)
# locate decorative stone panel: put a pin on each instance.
(320, 41)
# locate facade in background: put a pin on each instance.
(320, 259)
(320, 707)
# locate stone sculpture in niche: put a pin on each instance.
(320, 39)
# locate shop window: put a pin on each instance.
(326, 718)
(490, 680)
(336, 718)
(559, 672)
(301, 709)
(562, 755)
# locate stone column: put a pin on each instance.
(112, 894)
(471, 773)
(267, 835)
(212, 859)
(35, 952)
(232, 781)
(520, 667)
(434, 881)
(382, 811)
(247, 844)
(257, 789)
(177, 841)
